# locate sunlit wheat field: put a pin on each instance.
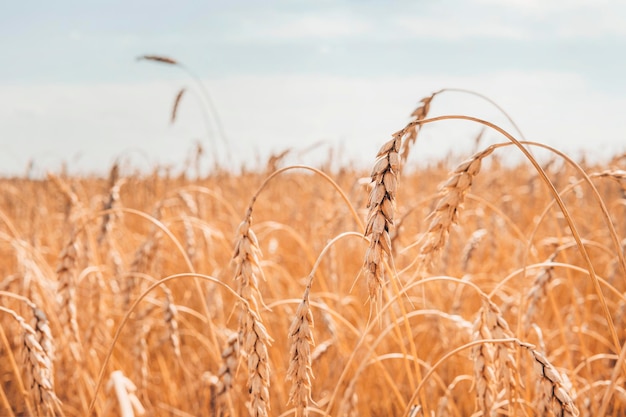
(466, 286)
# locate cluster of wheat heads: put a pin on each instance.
(493, 289)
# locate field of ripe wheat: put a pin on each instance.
(468, 287)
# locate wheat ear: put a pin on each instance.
(112, 200)
(410, 133)
(492, 325)
(552, 391)
(255, 343)
(253, 335)
(66, 275)
(538, 291)
(230, 356)
(446, 212)
(143, 260)
(247, 264)
(381, 206)
(300, 372)
(38, 362)
(170, 312)
(484, 366)
(125, 394)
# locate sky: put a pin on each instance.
(320, 78)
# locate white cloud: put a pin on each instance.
(456, 28)
(593, 24)
(439, 23)
(566, 18)
(294, 26)
(449, 20)
(543, 7)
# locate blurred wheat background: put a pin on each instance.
(468, 286)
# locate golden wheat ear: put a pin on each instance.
(300, 372)
(381, 205)
(452, 197)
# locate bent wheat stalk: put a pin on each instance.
(566, 213)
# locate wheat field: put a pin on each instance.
(469, 286)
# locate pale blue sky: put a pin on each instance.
(290, 73)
